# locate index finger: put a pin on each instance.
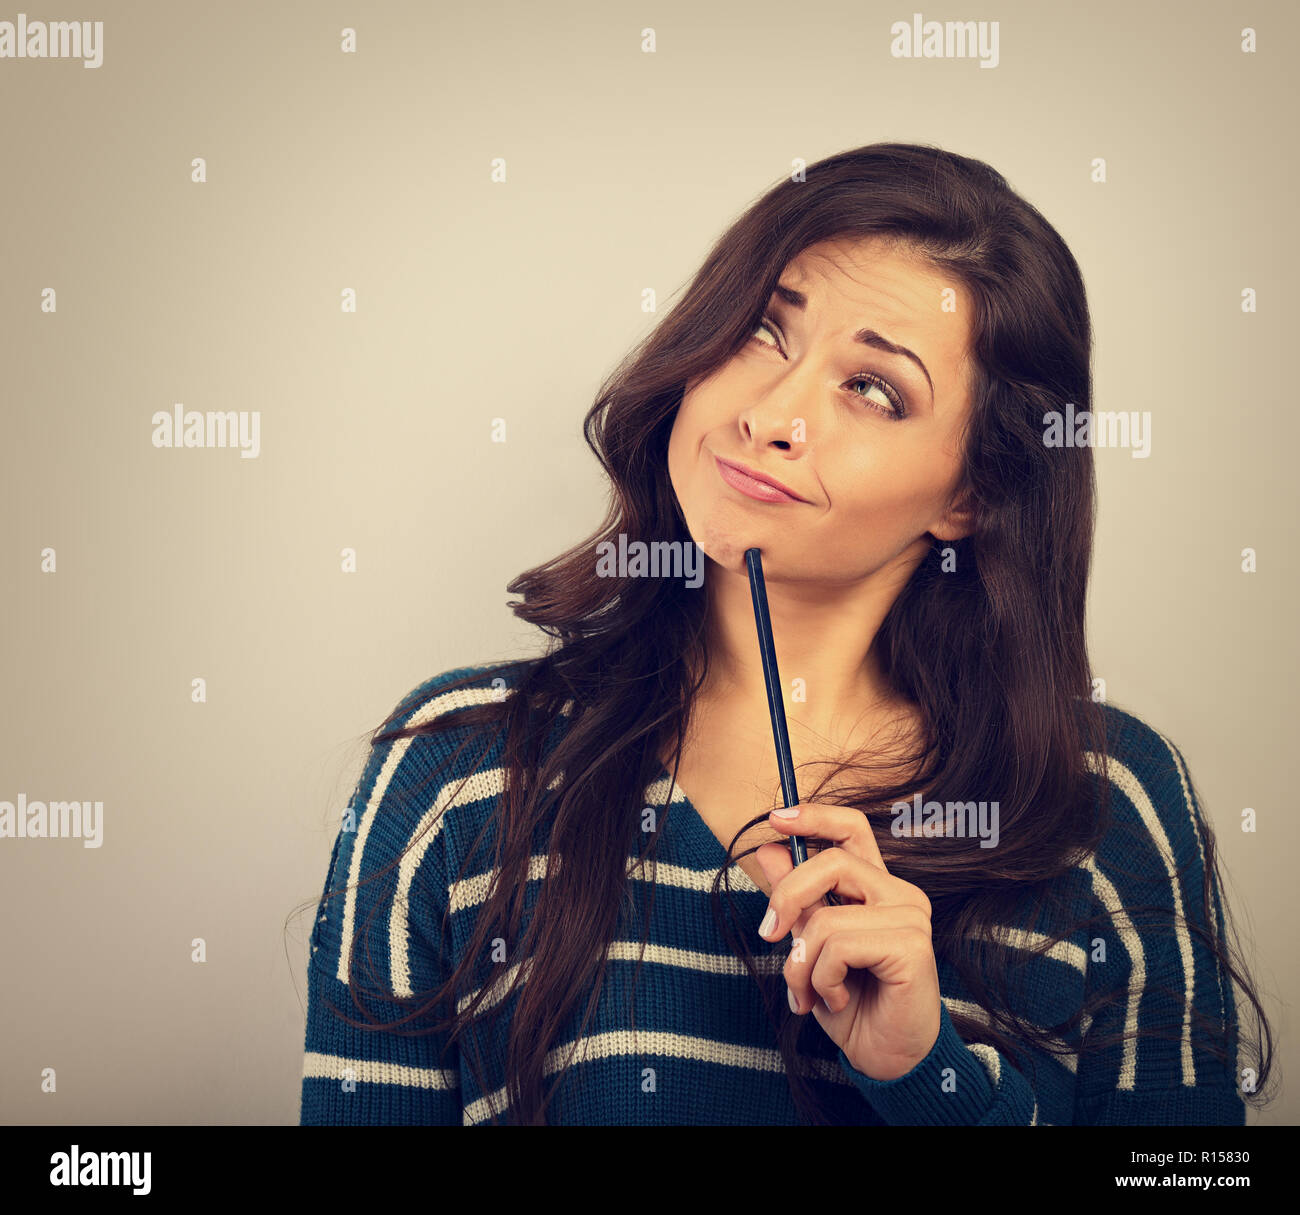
(844, 826)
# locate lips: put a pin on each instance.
(754, 484)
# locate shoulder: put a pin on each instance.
(439, 750)
(1154, 881)
(1149, 870)
(1152, 799)
(432, 764)
(455, 689)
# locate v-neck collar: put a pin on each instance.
(698, 847)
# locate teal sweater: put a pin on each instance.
(703, 1052)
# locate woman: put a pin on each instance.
(856, 383)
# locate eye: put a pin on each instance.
(766, 324)
(894, 406)
(869, 379)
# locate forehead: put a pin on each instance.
(882, 283)
(884, 274)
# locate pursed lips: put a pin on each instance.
(751, 486)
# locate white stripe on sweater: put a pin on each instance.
(318, 1066)
(611, 1044)
(630, 951)
(1214, 911)
(621, 1042)
(446, 703)
(1108, 897)
(1068, 1059)
(1063, 951)
(470, 789)
(1123, 777)
(477, 787)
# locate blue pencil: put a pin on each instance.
(775, 702)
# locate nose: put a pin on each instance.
(782, 420)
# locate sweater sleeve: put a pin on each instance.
(1149, 955)
(956, 1084)
(1162, 991)
(385, 894)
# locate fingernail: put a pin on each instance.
(769, 922)
(788, 812)
(794, 1004)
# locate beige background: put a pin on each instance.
(479, 300)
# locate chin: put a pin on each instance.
(722, 546)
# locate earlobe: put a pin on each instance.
(954, 530)
(957, 522)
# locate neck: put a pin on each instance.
(823, 634)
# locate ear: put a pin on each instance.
(958, 521)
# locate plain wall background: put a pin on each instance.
(479, 300)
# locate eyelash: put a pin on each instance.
(869, 377)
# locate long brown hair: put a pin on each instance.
(1004, 615)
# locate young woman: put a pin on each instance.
(1010, 911)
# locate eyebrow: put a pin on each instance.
(868, 337)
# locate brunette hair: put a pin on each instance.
(1004, 615)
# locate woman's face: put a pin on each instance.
(875, 464)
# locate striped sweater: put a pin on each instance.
(700, 1050)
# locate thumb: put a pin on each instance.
(774, 860)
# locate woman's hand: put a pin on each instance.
(870, 959)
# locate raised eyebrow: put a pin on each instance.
(868, 337)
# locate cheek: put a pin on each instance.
(677, 444)
(897, 485)
(722, 529)
(684, 441)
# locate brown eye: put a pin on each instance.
(895, 408)
(870, 380)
